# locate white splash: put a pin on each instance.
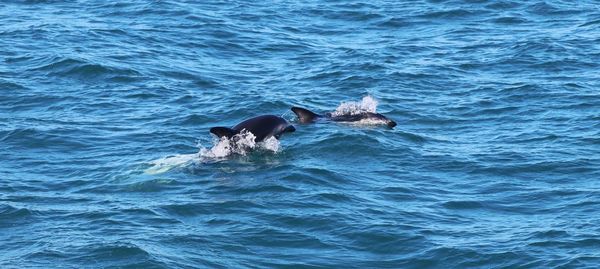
(367, 104)
(240, 144)
(271, 144)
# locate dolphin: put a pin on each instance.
(307, 116)
(262, 127)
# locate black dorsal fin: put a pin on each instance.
(223, 131)
(305, 115)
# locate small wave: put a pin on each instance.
(549, 234)
(394, 23)
(116, 254)
(353, 15)
(450, 14)
(509, 20)
(551, 9)
(11, 86)
(9, 212)
(367, 104)
(462, 204)
(32, 138)
(240, 144)
(75, 68)
(270, 189)
(589, 23)
(181, 211)
(413, 137)
(503, 5)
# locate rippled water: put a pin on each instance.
(495, 161)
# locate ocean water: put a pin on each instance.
(106, 160)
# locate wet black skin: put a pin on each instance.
(262, 127)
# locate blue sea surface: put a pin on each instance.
(106, 160)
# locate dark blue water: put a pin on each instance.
(105, 157)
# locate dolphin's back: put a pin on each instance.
(264, 126)
(306, 116)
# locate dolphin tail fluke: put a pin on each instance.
(223, 132)
(305, 115)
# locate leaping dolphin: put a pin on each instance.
(262, 127)
(307, 116)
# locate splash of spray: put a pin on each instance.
(240, 144)
(367, 104)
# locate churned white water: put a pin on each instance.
(240, 144)
(367, 104)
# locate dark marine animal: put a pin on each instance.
(262, 127)
(307, 116)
